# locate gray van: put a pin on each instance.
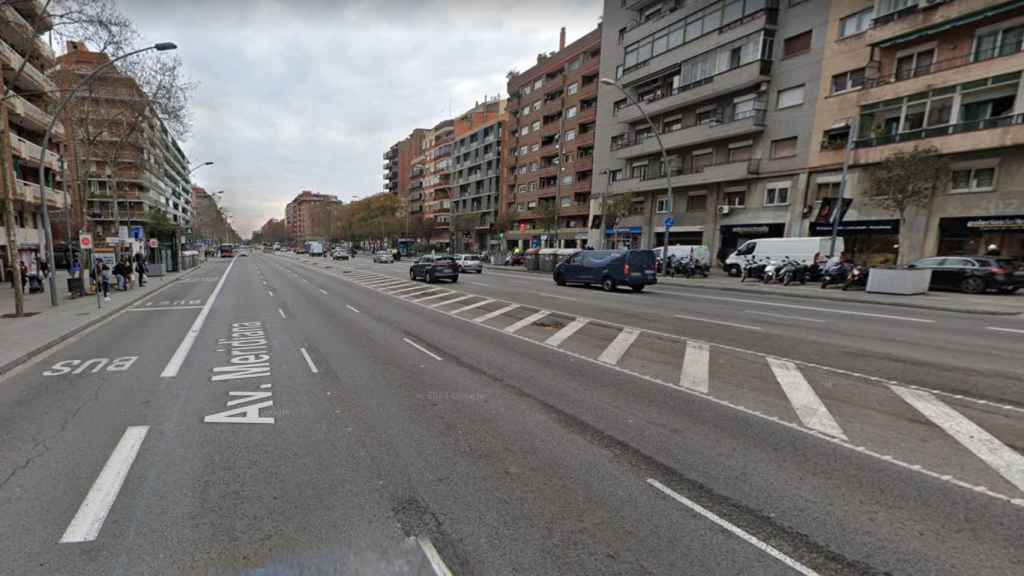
(609, 268)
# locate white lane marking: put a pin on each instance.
(432, 296)
(149, 308)
(617, 348)
(352, 309)
(410, 289)
(733, 324)
(736, 530)
(436, 563)
(453, 301)
(322, 291)
(496, 313)
(568, 330)
(805, 401)
(88, 521)
(270, 293)
(1007, 462)
(418, 293)
(281, 312)
(483, 302)
(694, 374)
(478, 284)
(306, 281)
(998, 329)
(785, 316)
(517, 326)
(174, 364)
(815, 308)
(309, 361)
(400, 287)
(384, 282)
(421, 349)
(556, 296)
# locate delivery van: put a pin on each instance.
(807, 250)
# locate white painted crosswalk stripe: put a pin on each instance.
(452, 301)
(1006, 461)
(805, 401)
(385, 283)
(568, 330)
(438, 295)
(694, 374)
(407, 289)
(517, 326)
(401, 286)
(617, 348)
(418, 293)
(483, 302)
(496, 313)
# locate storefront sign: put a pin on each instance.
(750, 230)
(622, 230)
(863, 226)
(997, 223)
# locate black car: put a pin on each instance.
(609, 268)
(972, 274)
(430, 268)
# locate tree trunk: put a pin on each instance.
(9, 222)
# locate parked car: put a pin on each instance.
(609, 268)
(972, 274)
(243, 251)
(431, 268)
(469, 263)
(339, 254)
(383, 257)
(807, 251)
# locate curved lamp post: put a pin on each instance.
(160, 47)
(198, 166)
(664, 165)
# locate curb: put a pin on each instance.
(814, 296)
(26, 357)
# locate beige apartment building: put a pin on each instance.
(299, 215)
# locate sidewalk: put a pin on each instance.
(995, 304)
(23, 338)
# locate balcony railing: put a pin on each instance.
(967, 59)
(31, 193)
(42, 82)
(935, 131)
(633, 140)
(30, 151)
(765, 70)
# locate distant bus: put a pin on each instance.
(227, 250)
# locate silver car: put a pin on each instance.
(383, 257)
(469, 263)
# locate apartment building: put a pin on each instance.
(125, 164)
(398, 161)
(209, 222)
(476, 176)
(730, 87)
(436, 168)
(299, 215)
(549, 141)
(33, 94)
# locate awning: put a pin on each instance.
(949, 24)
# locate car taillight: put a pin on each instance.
(626, 268)
(998, 270)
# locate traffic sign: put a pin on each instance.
(136, 232)
(85, 241)
(669, 222)
(153, 243)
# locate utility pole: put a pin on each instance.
(9, 221)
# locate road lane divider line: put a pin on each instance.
(432, 296)
(382, 282)
(814, 308)
(1000, 329)
(694, 374)
(150, 308)
(352, 309)
(436, 563)
(1003, 459)
(805, 401)
(322, 291)
(281, 312)
(421, 349)
(453, 301)
(174, 364)
(566, 331)
(399, 287)
(517, 326)
(556, 296)
(495, 314)
(786, 316)
(270, 293)
(309, 361)
(88, 521)
(617, 348)
(483, 302)
(722, 322)
(733, 529)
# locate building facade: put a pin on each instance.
(436, 168)
(300, 215)
(209, 223)
(33, 95)
(549, 162)
(476, 177)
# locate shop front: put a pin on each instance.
(867, 242)
(624, 237)
(732, 236)
(973, 235)
(680, 235)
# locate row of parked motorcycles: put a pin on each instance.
(844, 274)
(686, 267)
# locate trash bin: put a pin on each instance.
(548, 256)
(533, 260)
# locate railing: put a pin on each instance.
(29, 70)
(655, 172)
(765, 70)
(935, 131)
(757, 115)
(943, 65)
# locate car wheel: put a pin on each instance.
(638, 288)
(608, 285)
(455, 279)
(1011, 290)
(973, 285)
(429, 277)
(824, 283)
(559, 279)
(412, 275)
(733, 271)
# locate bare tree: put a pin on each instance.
(616, 209)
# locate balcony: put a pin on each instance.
(31, 78)
(925, 19)
(29, 116)
(718, 85)
(1000, 132)
(25, 236)
(14, 25)
(691, 135)
(29, 151)
(551, 106)
(723, 172)
(943, 73)
(29, 192)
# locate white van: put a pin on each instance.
(807, 250)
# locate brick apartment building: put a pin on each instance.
(435, 165)
(299, 215)
(398, 161)
(550, 146)
(477, 175)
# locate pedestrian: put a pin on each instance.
(126, 266)
(44, 268)
(24, 275)
(75, 269)
(105, 280)
(119, 274)
(140, 267)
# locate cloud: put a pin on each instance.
(308, 94)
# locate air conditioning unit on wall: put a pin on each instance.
(723, 209)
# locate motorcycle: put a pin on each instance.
(793, 270)
(836, 273)
(858, 277)
(773, 271)
(753, 268)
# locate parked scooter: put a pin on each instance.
(857, 277)
(691, 267)
(753, 268)
(793, 271)
(836, 273)
(773, 271)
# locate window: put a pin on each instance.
(972, 180)
(537, 105)
(538, 83)
(566, 201)
(746, 106)
(784, 148)
(736, 198)
(522, 188)
(998, 43)
(523, 150)
(570, 112)
(570, 135)
(573, 88)
(638, 171)
(855, 23)
(533, 166)
(848, 81)
(533, 187)
(567, 179)
(524, 130)
(706, 116)
(524, 111)
(916, 64)
(776, 194)
(741, 153)
(789, 97)
(662, 204)
(890, 6)
(701, 159)
(535, 126)
(796, 45)
(526, 90)
(534, 147)
(531, 204)
(615, 175)
(696, 203)
(828, 190)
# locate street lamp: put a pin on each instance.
(47, 232)
(198, 166)
(664, 165)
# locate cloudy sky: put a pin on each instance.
(308, 94)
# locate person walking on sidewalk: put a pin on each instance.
(119, 274)
(24, 276)
(126, 266)
(140, 268)
(105, 280)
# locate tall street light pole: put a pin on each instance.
(198, 166)
(664, 166)
(47, 232)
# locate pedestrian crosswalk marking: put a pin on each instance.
(438, 295)
(453, 301)
(694, 374)
(568, 330)
(496, 313)
(483, 302)
(805, 401)
(618, 347)
(526, 321)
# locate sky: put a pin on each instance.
(308, 94)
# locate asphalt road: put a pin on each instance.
(275, 414)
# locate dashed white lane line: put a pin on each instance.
(483, 302)
(815, 308)
(174, 364)
(1000, 329)
(88, 521)
(786, 316)
(496, 313)
(150, 308)
(732, 528)
(421, 349)
(568, 330)
(452, 301)
(270, 293)
(436, 563)
(805, 401)
(723, 323)
(618, 347)
(322, 291)
(556, 296)
(352, 309)
(694, 374)
(517, 326)
(1007, 462)
(309, 361)
(281, 312)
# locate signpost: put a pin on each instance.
(85, 241)
(669, 221)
